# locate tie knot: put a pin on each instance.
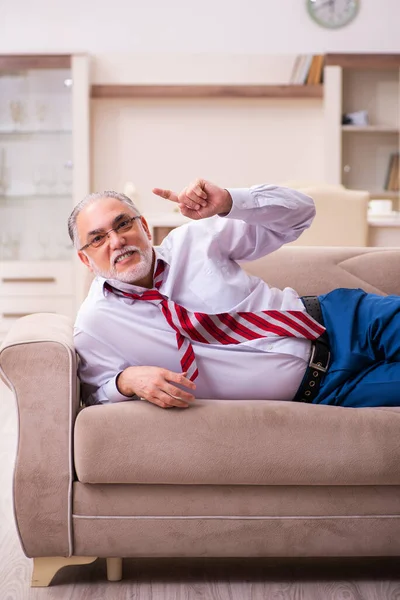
(150, 295)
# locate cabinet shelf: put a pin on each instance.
(13, 62)
(378, 194)
(206, 91)
(68, 254)
(370, 129)
(384, 194)
(29, 132)
(363, 61)
(33, 196)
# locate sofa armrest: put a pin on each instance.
(39, 364)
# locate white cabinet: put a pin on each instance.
(384, 231)
(44, 172)
(28, 287)
(358, 155)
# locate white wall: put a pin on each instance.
(235, 143)
(165, 144)
(161, 26)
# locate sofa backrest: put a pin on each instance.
(317, 270)
(340, 220)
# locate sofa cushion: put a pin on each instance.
(238, 442)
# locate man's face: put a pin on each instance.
(126, 256)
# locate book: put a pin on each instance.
(319, 70)
(393, 173)
(316, 70)
(388, 172)
(313, 71)
(294, 77)
(396, 173)
(306, 66)
(307, 69)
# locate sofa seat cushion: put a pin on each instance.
(237, 442)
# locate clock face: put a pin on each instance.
(333, 13)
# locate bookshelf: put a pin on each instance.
(287, 76)
(361, 156)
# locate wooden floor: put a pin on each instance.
(178, 579)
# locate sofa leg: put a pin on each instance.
(45, 567)
(114, 569)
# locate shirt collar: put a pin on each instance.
(130, 287)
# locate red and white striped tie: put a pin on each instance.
(222, 328)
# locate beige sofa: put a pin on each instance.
(221, 479)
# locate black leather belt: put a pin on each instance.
(319, 358)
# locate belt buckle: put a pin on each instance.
(318, 366)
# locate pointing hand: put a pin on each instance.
(199, 200)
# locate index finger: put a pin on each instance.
(180, 378)
(167, 194)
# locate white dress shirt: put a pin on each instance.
(202, 274)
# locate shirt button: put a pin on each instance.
(270, 347)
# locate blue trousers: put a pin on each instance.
(364, 335)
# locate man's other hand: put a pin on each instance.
(199, 200)
(155, 385)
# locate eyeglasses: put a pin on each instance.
(99, 239)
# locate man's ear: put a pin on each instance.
(146, 227)
(85, 260)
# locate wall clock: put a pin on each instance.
(333, 13)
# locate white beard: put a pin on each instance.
(134, 273)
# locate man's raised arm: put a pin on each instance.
(255, 221)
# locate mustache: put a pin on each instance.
(118, 253)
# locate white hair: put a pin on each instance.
(72, 228)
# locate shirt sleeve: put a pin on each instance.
(262, 219)
(99, 367)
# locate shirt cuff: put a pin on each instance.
(113, 394)
(241, 200)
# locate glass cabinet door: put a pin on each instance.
(36, 163)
